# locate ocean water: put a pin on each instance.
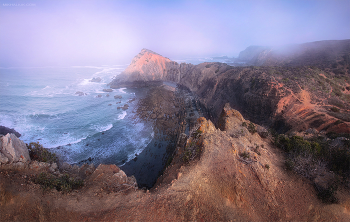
(42, 105)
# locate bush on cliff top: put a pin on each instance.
(39, 153)
(63, 183)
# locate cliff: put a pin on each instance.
(217, 174)
(289, 97)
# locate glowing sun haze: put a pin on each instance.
(64, 33)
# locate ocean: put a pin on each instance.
(42, 105)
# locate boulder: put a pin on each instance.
(112, 178)
(262, 131)
(125, 107)
(98, 79)
(39, 166)
(13, 150)
(107, 90)
(99, 96)
(117, 97)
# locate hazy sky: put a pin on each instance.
(64, 33)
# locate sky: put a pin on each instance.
(66, 33)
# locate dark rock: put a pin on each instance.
(107, 95)
(99, 96)
(5, 130)
(109, 104)
(131, 100)
(79, 93)
(262, 131)
(98, 79)
(117, 97)
(125, 107)
(107, 90)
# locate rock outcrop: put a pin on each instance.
(5, 130)
(96, 79)
(13, 150)
(147, 66)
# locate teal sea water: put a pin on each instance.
(42, 105)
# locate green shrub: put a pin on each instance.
(251, 128)
(63, 183)
(197, 134)
(41, 154)
(245, 155)
(335, 109)
(186, 156)
(267, 166)
(327, 194)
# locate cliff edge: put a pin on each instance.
(217, 174)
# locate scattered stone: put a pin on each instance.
(107, 90)
(110, 104)
(131, 100)
(98, 79)
(79, 93)
(117, 97)
(312, 131)
(107, 95)
(39, 166)
(99, 96)
(262, 131)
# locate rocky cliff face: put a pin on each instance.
(282, 97)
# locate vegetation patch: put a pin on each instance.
(39, 153)
(64, 183)
(244, 155)
(318, 156)
(193, 147)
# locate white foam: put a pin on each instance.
(64, 140)
(103, 128)
(86, 82)
(121, 90)
(122, 116)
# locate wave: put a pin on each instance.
(122, 116)
(103, 128)
(121, 90)
(63, 142)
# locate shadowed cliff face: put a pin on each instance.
(285, 98)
